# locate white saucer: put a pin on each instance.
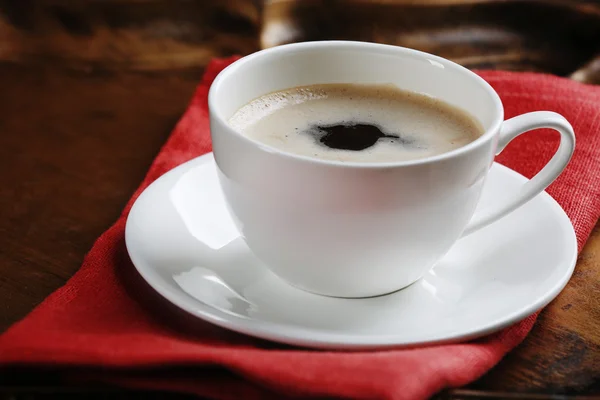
(183, 243)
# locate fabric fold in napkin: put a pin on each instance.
(106, 324)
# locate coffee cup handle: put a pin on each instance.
(509, 130)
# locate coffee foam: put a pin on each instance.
(427, 126)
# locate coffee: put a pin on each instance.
(356, 123)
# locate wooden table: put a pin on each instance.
(89, 91)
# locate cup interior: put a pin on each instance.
(310, 63)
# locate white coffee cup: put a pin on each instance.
(363, 229)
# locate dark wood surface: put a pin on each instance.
(90, 90)
(557, 36)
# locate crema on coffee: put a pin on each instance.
(356, 123)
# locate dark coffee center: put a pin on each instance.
(353, 136)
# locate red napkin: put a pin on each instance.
(105, 324)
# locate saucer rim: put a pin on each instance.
(312, 338)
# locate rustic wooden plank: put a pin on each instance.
(550, 36)
(125, 34)
(74, 145)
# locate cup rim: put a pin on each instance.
(346, 44)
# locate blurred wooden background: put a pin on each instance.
(144, 35)
(90, 89)
(556, 36)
